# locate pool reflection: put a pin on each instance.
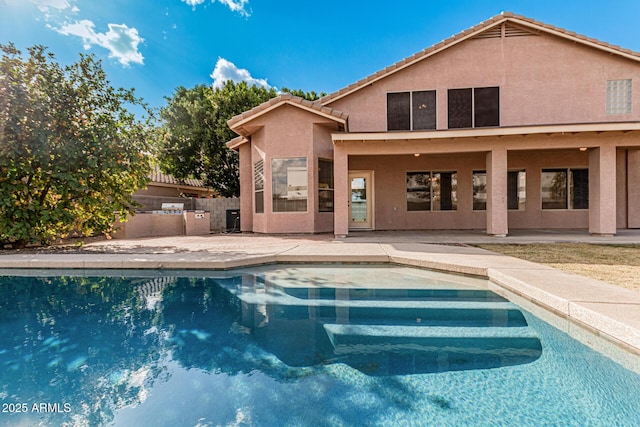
(100, 344)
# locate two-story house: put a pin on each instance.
(511, 124)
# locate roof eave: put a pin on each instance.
(238, 122)
(235, 143)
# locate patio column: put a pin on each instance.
(602, 190)
(633, 189)
(341, 191)
(497, 220)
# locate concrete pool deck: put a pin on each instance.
(607, 310)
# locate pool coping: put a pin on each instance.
(607, 310)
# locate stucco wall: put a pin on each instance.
(289, 132)
(543, 80)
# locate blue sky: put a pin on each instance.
(158, 45)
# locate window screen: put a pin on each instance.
(460, 108)
(486, 105)
(399, 111)
(424, 109)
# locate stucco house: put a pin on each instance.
(511, 124)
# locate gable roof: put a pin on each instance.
(236, 123)
(506, 23)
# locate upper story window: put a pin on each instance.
(411, 110)
(477, 107)
(619, 96)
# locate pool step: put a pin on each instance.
(375, 338)
(390, 294)
(402, 350)
(433, 314)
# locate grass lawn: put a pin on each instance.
(616, 264)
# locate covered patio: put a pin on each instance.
(607, 156)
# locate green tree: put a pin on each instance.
(196, 131)
(71, 153)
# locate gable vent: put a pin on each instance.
(507, 29)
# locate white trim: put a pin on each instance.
(486, 132)
(367, 174)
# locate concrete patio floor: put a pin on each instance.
(608, 311)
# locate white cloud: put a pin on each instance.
(236, 6)
(45, 5)
(226, 70)
(239, 6)
(121, 41)
(193, 3)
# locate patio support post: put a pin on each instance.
(246, 188)
(633, 188)
(341, 191)
(497, 220)
(602, 190)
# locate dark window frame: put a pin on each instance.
(412, 110)
(513, 189)
(470, 108)
(325, 194)
(437, 200)
(570, 196)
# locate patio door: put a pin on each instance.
(361, 200)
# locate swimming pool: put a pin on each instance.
(292, 345)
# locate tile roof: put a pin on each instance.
(157, 176)
(285, 98)
(470, 33)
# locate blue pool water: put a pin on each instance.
(293, 346)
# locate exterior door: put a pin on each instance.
(361, 200)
